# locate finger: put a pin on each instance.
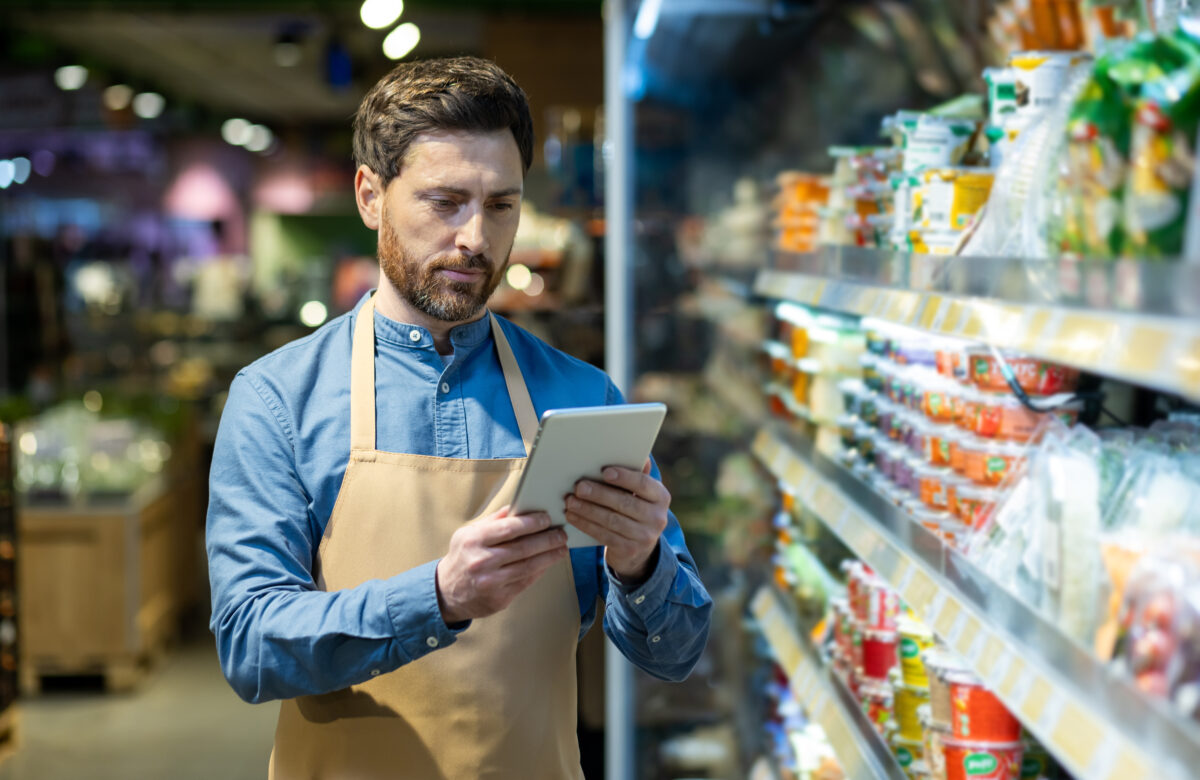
(616, 499)
(531, 545)
(624, 527)
(639, 483)
(534, 566)
(598, 531)
(499, 529)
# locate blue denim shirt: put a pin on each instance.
(281, 451)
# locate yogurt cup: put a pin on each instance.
(907, 699)
(937, 444)
(978, 715)
(931, 485)
(908, 751)
(915, 638)
(938, 664)
(879, 653)
(991, 462)
(976, 503)
(1034, 376)
(1003, 416)
(966, 760)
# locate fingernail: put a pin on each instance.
(544, 520)
(610, 474)
(585, 489)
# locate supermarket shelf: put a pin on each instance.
(1135, 321)
(780, 351)
(798, 409)
(1096, 723)
(859, 748)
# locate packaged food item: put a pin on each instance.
(990, 462)
(976, 503)
(876, 698)
(879, 653)
(864, 442)
(919, 770)
(1039, 78)
(938, 664)
(1037, 763)
(978, 715)
(937, 443)
(954, 484)
(965, 405)
(1003, 416)
(947, 199)
(1162, 162)
(938, 522)
(929, 140)
(931, 485)
(935, 749)
(967, 760)
(907, 750)
(1034, 376)
(937, 398)
(882, 606)
(951, 361)
(904, 471)
(907, 699)
(915, 639)
(846, 430)
(930, 242)
(1001, 95)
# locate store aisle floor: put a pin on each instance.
(183, 723)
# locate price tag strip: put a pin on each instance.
(1087, 746)
(1162, 352)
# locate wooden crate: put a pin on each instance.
(97, 588)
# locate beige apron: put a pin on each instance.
(498, 703)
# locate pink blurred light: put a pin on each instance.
(199, 192)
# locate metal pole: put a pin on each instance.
(619, 746)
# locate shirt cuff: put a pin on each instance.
(653, 592)
(416, 617)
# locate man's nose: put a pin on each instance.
(470, 239)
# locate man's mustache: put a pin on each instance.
(465, 263)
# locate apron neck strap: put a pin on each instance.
(362, 382)
(518, 393)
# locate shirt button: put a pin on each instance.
(414, 335)
(445, 387)
(656, 639)
(432, 641)
(374, 672)
(639, 599)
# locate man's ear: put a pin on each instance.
(368, 195)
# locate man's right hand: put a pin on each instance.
(492, 560)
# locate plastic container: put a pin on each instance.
(967, 760)
(937, 443)
(882, 606)
(976, 503)
(931, 485)
(908, 751)
(907, 699)
(978, 715)
(915, 639)
(887, 411)
(885, 455)
(954, 485)
(1002, 416)
(864, 441)
(879, 653)
(990, 462)
(1037, 377)
(876, 698)
(951, 360)
(965, 407)
(871, 375)
(845, 425)
(938, 664)
(905, 469)
(937, 398)
(935, 737)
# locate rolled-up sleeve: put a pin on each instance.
(279, 636)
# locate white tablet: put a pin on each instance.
(572, 444)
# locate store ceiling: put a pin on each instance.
(219, 54)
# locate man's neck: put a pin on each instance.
(389, 303)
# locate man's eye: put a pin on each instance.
(441, 203)
(502, 206)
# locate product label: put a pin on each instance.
(1031, 768)
(909, 648)
(904, 756)
(981, 368)
(977, 764)
(996, 465)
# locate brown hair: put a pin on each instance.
(457, 93)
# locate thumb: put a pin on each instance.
(646, 468)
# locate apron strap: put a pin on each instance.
(362, 383)
(518, 393)
(362, 379)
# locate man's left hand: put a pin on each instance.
(626, 513)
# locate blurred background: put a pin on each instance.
(176, 201)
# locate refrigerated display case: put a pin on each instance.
(765, 265)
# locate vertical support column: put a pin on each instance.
(619, 744)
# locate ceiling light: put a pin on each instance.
(378, 14)
(148, 105)
(7, 173)
(21, 169)
(400, 41)
(260, 138)
(647, 19)
(117, 97)
(236, 131)
(70, 77)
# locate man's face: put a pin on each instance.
(449, 219)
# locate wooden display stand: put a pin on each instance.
(98, 588)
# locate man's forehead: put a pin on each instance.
(486, 150)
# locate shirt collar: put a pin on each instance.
(464, 337)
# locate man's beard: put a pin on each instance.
(427, 290)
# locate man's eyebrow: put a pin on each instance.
(463, 193)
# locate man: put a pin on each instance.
(364, 565)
